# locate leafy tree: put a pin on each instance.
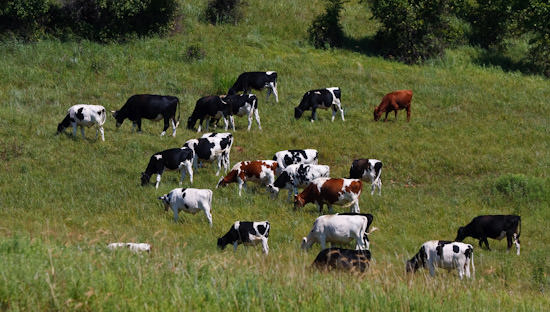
(224, 11)
(536, 19)
(325, 30)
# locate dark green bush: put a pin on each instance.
(536, 19)
(519, 187)
(24, 18)
(194, 53)
(224, 11)
(490, 21)
(325, 30)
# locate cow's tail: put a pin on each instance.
(351, 203)
(103, 116)
(374, 228)
(179, 113)
(519, 227)
(473, 267)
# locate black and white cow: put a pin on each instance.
(135, 247)
(492, 226)
(190, 200)
(295, 176)
(246, 233)
(84, 115)
(342, 228)
(210, 147)
(241, 105)
(291, 157)
(443, 254)
(209, 107)
(343, 259)
(368, 170)
(149, 106)
(170, 159)
(256, 80)
(321, 98)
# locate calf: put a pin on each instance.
(171, 159)
(295, 176)
(256, 80)
(84, 115)
(240, 105)
(152, 107)
(262, 171)
(394, 101)
(492, 226)
(190, 200)
(331, 191)
(321, 98)
(367, 170)
(208, 107)
(343, 259)
(340, 229)
(247, 233)
(443, 254)
(135, 247)
(290, 157)
(210, 147)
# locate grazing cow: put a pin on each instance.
(343, 259)
(492, 226)
(84, 115)
(290, 157)
(190, 200)
(212, 146)
(135, 247)
(367, 170)
(171, 159)
(243, 104)
(394, 101)
(332, 191)
(443, 254)
(256, 80)
(209, 107)
(262, 171)
(340, 229)
(246, 233)
(149, 106)
(295, 176)
(321, 98)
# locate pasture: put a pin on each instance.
(63, 199)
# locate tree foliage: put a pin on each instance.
(224, 11)
(326, 30)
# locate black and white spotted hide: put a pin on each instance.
(368, 170)
(443, 254)
(246, 233)
(84, 115)
(290, 157)
(321, 98)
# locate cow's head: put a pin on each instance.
(377, 113)
(145, 177)
(166, 201)
(298, 112)
(299, 201)
(412, 265)
(304, 245)
(221, 243)
(460, 234)
(272, 189)
(117, 116)
(221, 183)
(191, 122)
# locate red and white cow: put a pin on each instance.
(262, 171)
(332, 191)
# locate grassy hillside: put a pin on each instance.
(62, 199)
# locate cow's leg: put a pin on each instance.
(460, 271)
(158, 180)
(395, 114)
(200, 125)
(269, 90)
(431, 267)
(274, 89)
(138, 122)
(372, 187)
(174, 126)
(166, 124)
(355, 206)
(484, 239)
(175, 215)
(133, 126)
(467, 268)
(102, 133)
(319, 206)
(386, 118)
(257, 116)
(206, 210)
(408, 113)
(265, 247)
(329, 208)
(289, 195)
(323, 241)
(235, 244)
(74, 129)
(225, 123)
(182, 171)
(313, 114)
(82, 132)
(516, 242)
(241, 184)
(220, 158)
(379, 183)
(189, 169)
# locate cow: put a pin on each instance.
(394, 101)
(135, 247)
(290, 157)
(342, 259)
(210, 147)
(209, 107)
(340, 229)
(331, 191)
(444, 254)
(321, 98)
(84, 115)
(152, 107)
(241, 105)
(256, 80)
(368, 170)
(295, 176)
(190, 200)
(262, 171)
(246, 233)
(492, 226)
(171, 159)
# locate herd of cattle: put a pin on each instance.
(290, 170)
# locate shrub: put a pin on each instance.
(24, 18)
(535, 19)
(224, 11)
(519, 187)
(490, 21)
(194, 53)
(325, 30)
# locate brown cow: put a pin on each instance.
(262, 171)
(331, 191)
(394, 101)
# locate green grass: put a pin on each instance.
(62, 199)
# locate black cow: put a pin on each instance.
(171, 159)
(256, 80)
(148, 106)
(208, 107)
(321, 98)
(343, 259)
(368, 170)
(492, 226)
(247, 233)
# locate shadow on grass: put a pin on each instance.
(506, 63)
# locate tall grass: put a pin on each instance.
(62, 199)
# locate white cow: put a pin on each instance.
(84, 115)
(443, 254)
(135, 247)
(190, 200)
(340, 229)
(295, 176)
